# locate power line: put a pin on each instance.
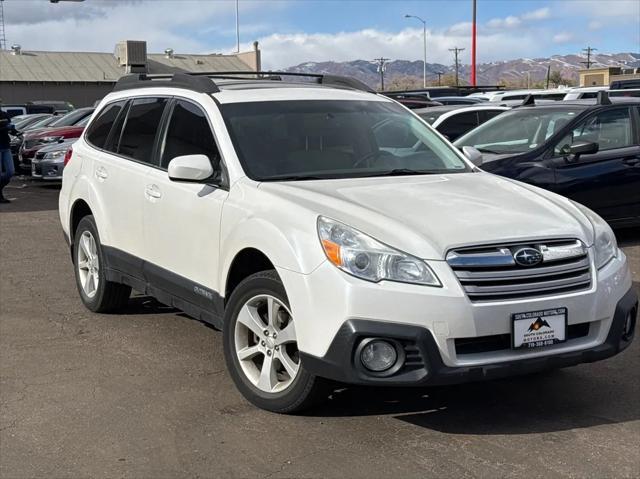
(455, 51)
(588, 51)
(382, 67)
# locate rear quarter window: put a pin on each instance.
(101, 127)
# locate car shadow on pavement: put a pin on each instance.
(628, 237)
(27, 195)
(143, 304)
(550, 401)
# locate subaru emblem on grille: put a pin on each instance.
(527, 257)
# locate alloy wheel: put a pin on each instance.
(88, 264)
(265, 343)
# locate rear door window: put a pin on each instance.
(98, 132)
(610, 128)
(457, 125)
(188, 133)
(141, 126)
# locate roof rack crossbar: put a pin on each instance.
(203, 81)
(182, 80)
(603, 98)
(322, 79)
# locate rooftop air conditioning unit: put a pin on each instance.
(132, 54)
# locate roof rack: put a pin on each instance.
(202, 82)
(179, 80)
(603, 98)
(529, 100)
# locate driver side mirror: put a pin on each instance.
(473, 155)
(190, 168)
(583, 148)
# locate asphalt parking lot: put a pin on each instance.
(145, 394)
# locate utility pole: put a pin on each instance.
(473, 45)
(455, 51)
(382, 67)
(548, 75)
(237, 28)
(3, 38)
(439, 76)
(588, 51)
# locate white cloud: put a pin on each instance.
(507, 22)
(283, 50)
(97, 25)
(595, 25)
(562, 37)
(539, 14)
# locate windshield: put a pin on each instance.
(42, 122)
(71, 118)
(317, 139)
(518, 131)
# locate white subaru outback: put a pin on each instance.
(332, 235)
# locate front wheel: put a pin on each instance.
(261, 349)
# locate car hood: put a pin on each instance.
(64, 131)
(61, 146)
(428, 215)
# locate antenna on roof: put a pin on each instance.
(603, 98)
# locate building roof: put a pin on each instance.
(39, 66)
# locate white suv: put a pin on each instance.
(333, 235)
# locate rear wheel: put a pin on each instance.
(261, 349)
(97, 294)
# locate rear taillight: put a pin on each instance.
(67, 156)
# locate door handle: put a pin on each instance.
(633, 161)
(152, 191)
(101, 173)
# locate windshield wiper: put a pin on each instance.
(487, 150)
(295, 178)
(403, 172)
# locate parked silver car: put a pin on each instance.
(49, 161)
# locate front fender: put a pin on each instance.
(298, 251)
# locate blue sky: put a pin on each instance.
(291, 32)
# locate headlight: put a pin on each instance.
(605, 244)
(366, 258)
(55, 155)
(50, 139)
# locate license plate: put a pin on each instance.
(537, 329)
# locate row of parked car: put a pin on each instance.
(586, 149)
(45, 140)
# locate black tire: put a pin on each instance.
(109, 296)
(305, 390)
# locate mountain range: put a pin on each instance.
(511, 72)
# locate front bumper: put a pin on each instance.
(47, 169)
(424, 364)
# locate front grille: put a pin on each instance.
(491, 273)
(500, 342)
(31, 143)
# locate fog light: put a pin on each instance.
(378, 356)
(629, 325)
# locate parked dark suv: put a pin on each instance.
(588, 151)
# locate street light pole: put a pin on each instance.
(237, 28)
(424, 46)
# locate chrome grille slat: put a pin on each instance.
(529, 287)
(490, 273)
(470, 275)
